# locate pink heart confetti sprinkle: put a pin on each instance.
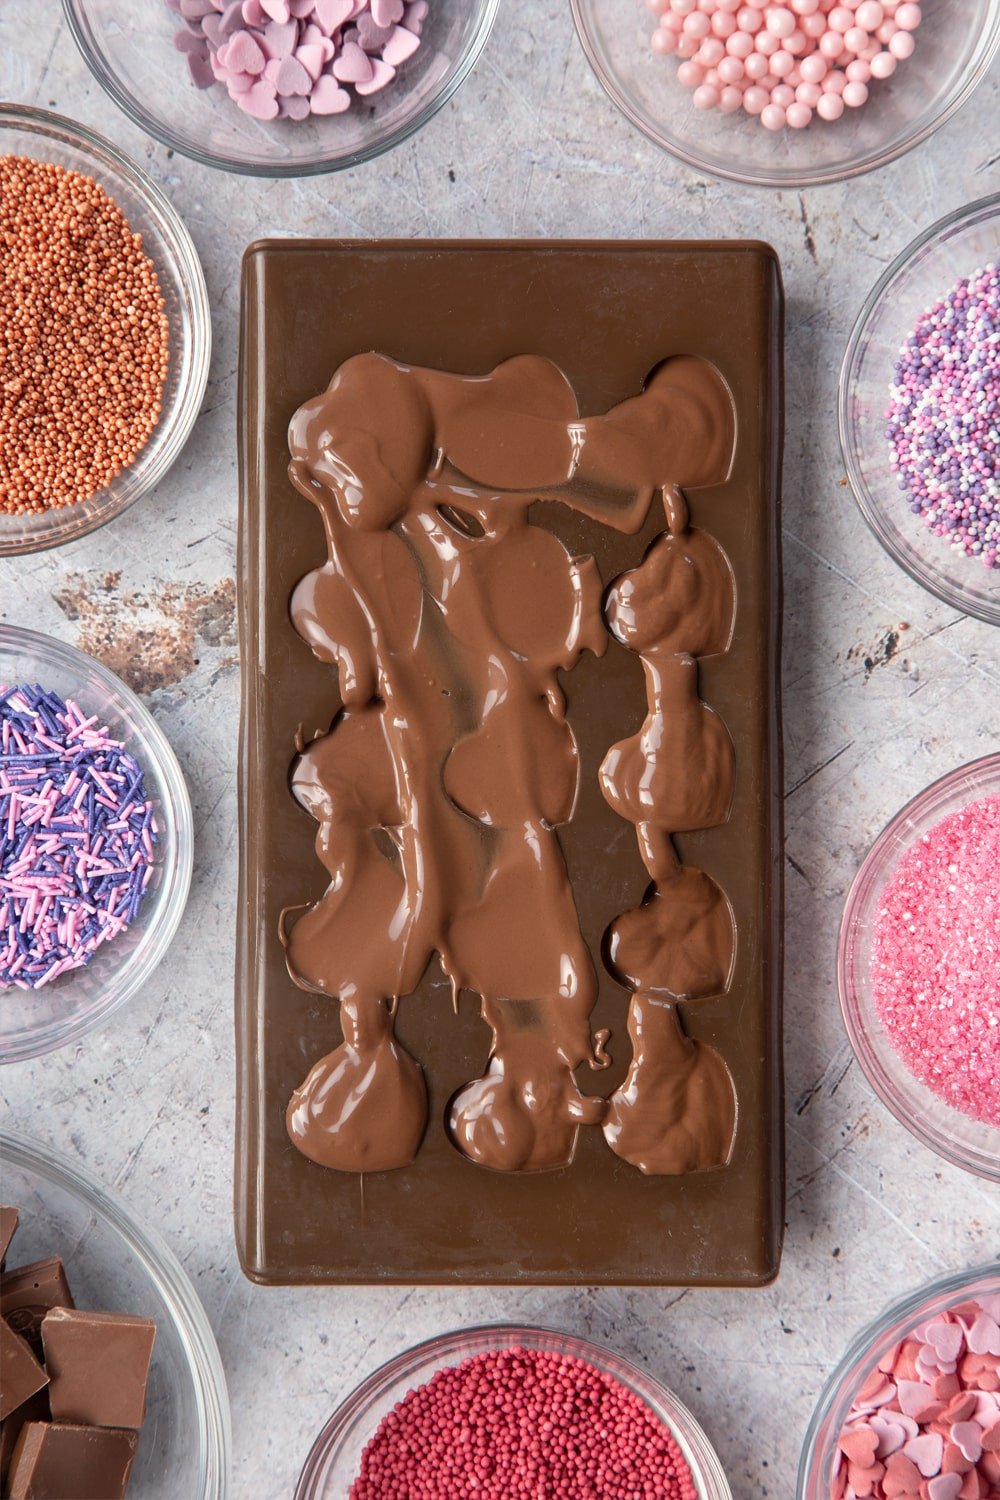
(969, 1437)
(858, 1445)
(891, 1436)
(260, 101)
(984, 1335)
(353, 65)
(331, 14)
(946, 1339)
(253, 13)
(944, 1487)
(902, 1477)
(914, 1398)
(386, 12)
(328, 98)
(381, 75)
(293, 78)
(277, 9)
(926, 1451)
(296, 107)
(271, 70)
(312, 59)
(238, 83)
(301, 8)
(281, 37)
(242, 54)
(401, 45)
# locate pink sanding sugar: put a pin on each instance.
(936, 960)
(519, 1424)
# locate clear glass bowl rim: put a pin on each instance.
(44, 122)
(108, 80)
(177, 808)
(189, 1318)
(969, 214)
(933, 798)
(907, 1312)
(790, 179)
(460, 1343)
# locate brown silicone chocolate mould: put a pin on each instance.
(606, 314)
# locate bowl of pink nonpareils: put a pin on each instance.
(919, 966)
(505, 1412)
(788, 93)
(913, 1410)
(96, 843)
(281, 88)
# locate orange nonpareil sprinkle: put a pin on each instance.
(83, 338)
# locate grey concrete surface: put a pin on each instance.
(531, 146)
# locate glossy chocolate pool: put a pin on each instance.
(604, 317)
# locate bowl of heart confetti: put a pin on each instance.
(913, 1410)
(788, 93)
(919, 397)
(105, 332)
(281, 88)
(919, 966)
(96, 842)
(508, 1413)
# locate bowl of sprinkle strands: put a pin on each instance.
(96, 842)
(105, 331)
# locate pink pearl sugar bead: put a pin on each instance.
(784, 61)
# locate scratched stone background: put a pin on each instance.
(874, 711)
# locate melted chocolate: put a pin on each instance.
(448, 616)
(605, 315)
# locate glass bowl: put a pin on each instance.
(130, 51)
(51, 138)
(335, 1459)
(927, 270)
(819, 1450)
(955, 46)
(115, 1265)
(36, 1021)
(964, 1142)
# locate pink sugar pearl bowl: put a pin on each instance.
(788, 93)
(913, 1407)
(435, 1444)
(918, 967)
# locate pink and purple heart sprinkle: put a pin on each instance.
(288, 59)
(77, 837)
(515, 1424)
(925, 1424)
(935, 966)
(943, 421)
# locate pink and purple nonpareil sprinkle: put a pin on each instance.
(935, 968)
(288, 59)
(925, 1424)
(943, 422)
(77, 837)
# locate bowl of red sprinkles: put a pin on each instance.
(96, 843)
(919, 410)
(505, 1412)
(105, 331)
(919, 966)
(913, 1409)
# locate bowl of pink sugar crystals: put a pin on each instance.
(919, 966)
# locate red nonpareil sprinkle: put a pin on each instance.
(519, 1424)
(936, 959)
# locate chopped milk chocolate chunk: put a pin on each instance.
(98, 1364)
(55, 1461)
(35, 1409)
(8, 1228)
(20, 1373)
(28, 1292)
